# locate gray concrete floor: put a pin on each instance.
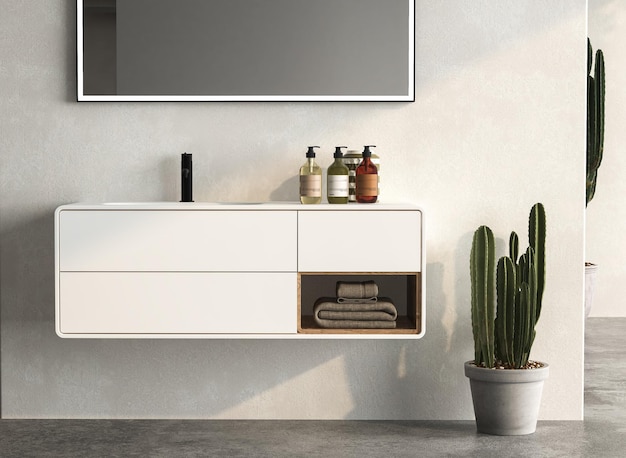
(602, 434)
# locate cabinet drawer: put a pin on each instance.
(176, 303)
(147, 240)
(359, 241)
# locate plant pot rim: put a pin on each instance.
(506, 375)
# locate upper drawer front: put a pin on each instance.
(359, 241)
(181, 240)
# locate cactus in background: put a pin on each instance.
(595, 118)
(507, 339)
(482, 260)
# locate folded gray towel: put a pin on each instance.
(365, 300)
(374, 315)
(328, 313)
(357, 290)
(355, 324)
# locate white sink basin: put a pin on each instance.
(176, 203)
(132, 203)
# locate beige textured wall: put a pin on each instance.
(496, 126)
(606, 213)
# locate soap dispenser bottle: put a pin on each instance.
(310, 179)
(337, 180)
(367, 179)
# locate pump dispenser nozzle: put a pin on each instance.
(367, 152)
(338, 152)
(311, 152)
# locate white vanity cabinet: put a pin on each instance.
(195, 270)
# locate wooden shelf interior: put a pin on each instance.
(401, 287)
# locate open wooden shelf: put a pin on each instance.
(403, 288)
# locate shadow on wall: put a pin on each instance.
(471, 37)
(410, 368)
(70, 57)
(462, 288)
(45, 376)
(27, 270)
(26, 281)
(438, 357)
(289, 190)
(49, 377)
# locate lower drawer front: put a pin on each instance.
(176, 303)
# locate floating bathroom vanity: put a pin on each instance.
(203, 270)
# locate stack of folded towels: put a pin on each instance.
(357, 306)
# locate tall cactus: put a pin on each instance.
(595, 118)
(482, 260)
(507, 294)
(537, 240)
(519, 292)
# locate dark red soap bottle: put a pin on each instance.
(367, 179)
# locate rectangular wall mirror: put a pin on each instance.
(245, 50)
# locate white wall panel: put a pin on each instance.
(497, 125)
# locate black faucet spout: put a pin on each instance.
(186, 178)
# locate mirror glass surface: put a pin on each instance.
(245, 50)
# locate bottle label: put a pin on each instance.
(367, 185)
(311, 185)
(337, 185)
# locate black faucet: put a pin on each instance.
(186, 178)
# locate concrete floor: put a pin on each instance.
(602, 434)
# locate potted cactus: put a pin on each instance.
(506, 304)
(595, 147)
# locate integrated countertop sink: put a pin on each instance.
(182, 203)
(133, 203)
(237, 205)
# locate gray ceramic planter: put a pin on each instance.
(506, 402)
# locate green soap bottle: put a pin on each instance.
(337, 180)
(310, 179)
